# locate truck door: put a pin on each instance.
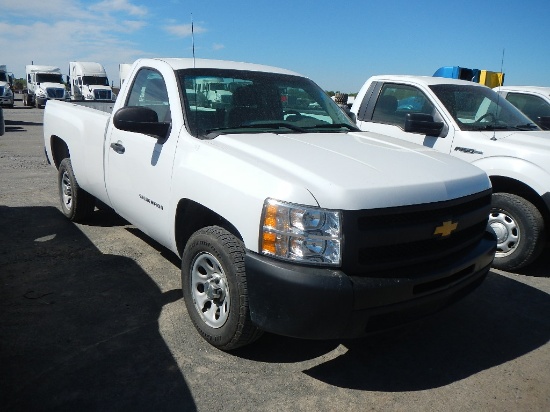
(139, 166)
(387, 110)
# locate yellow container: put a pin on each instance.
(491, 79)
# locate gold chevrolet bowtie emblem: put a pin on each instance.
(446, 228)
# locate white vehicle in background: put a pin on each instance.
(472, 122)
(43, 83)
(89, 81)
(6, 81)
(533, 101)
(218, 93)
(124, 72)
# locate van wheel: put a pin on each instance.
(519, 227)
(215, 290)
(76, 203)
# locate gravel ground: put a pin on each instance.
(92, 318)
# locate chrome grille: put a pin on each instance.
(102, 94)
(55, 93)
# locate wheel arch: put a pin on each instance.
(59, 150)
(192, 216)
(502, 184)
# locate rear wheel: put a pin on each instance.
(215, 290)
(519, 227)
(76, 203)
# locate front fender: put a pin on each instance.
(233, 187)
(521, 170)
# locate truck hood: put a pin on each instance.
(355, 170)
(536, 140)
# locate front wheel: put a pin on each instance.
(215, 289)
(76, 203)
(519, 228)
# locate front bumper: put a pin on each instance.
(320, 303)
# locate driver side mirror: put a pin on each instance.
(139, 119)
(422, 123)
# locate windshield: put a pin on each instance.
(481, 108)
(49, 78)
(3, 77)
(95, 80)
(235, 101)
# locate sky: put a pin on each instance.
(338, 44)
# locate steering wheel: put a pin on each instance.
(493, 118)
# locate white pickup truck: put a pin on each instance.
(472, 122)
(286, 217)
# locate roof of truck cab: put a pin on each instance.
(426, 80)
(189, 63)
(533, 89)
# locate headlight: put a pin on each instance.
(301, 233)
(40, 93)
(89, 96)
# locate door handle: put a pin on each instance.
(118, 147)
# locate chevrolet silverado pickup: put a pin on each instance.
(286, 217)
(473, 123)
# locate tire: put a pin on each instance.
(25, 99)
(215, 290)
(2, 123)
(77, 204)
(519, 227)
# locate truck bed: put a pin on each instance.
(106, 107)
(82, 126)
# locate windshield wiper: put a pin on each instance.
(493, 127)
(335, 125)
(526, 126)
(212, 133)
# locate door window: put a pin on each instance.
(149, 90)
(395, 101)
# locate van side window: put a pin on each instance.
(149, 90)
(532, 106)
(396, 100)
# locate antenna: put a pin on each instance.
(502, 68)
(500, 83)
(193, 39)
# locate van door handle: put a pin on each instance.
(118, 147)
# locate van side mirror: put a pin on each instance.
(139, 119)
(422, 123)
(544, 122)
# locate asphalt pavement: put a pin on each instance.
(92, 318)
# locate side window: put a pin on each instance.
(149, 90)
(532, 106)
(396, 100)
